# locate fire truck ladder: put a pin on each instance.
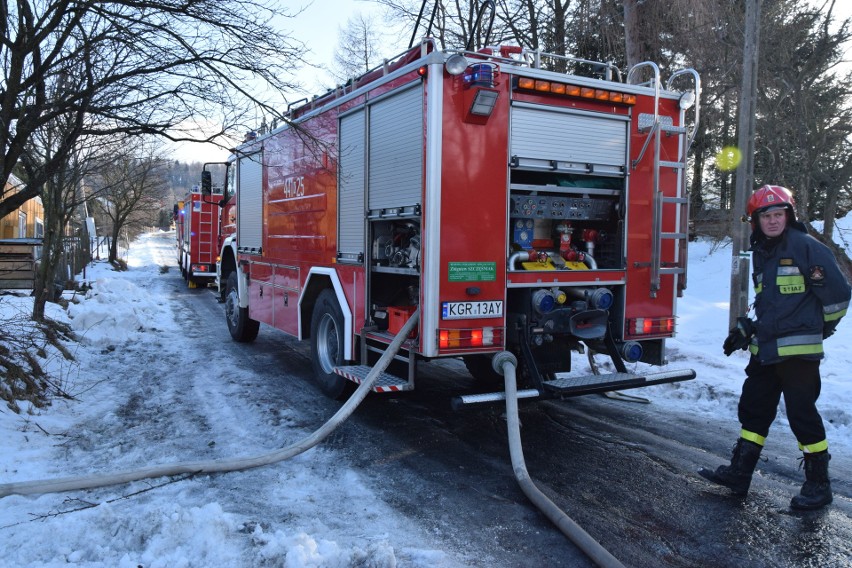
(205, 241)
(656, 125)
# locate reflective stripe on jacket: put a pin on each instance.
(798, 290)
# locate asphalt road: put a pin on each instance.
(624, 472)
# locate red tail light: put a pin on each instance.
(467, 338)
(651, 326)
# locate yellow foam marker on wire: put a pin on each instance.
(728, 158)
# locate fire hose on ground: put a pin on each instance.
(221, 466)
(505, 363)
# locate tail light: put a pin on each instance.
(467, 338)
(651, 326)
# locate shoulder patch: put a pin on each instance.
(786, 262)
(817, 273)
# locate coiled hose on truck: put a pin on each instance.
(506, 363)
(221, 466)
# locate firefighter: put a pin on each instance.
(800, 296)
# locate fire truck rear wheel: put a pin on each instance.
(327, 346)
(479, 367)
(240, 325)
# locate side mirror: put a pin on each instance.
(206, 183)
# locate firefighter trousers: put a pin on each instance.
(799, 381)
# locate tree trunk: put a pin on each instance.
(633, 37)
(829, 214)
(44, 288)
(560, 46)
(696, 197)
(745, 170)
(725, 198)
(39, 297)
(113, 245)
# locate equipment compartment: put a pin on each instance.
(575, 221)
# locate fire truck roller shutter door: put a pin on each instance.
(351, 187)
(395, 145)
(250, 210)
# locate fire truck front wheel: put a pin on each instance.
(327, 345)
(240, 325)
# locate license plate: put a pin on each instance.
(472, 310)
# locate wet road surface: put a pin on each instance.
(624, 472)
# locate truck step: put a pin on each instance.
(572, 385)
(385, 383)
(568, 385)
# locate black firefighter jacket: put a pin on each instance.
(800, 293)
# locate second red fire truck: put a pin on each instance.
(197, 221)
(521, 208)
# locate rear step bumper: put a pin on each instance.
(583, 384)
(385, 383)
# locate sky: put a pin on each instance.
(331, 517)
(318, 26)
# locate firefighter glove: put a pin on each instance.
(828, 328)
(740, 336)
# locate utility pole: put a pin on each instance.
(745, 169)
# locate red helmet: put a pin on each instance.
(767, 197)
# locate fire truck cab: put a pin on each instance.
(519, 206)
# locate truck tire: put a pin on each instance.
(240, 325)
(327, 346)
(479, 367)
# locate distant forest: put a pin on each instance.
(181, 178)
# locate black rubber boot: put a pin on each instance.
(816, 492)
(737, 476)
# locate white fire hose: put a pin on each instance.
(505, 363)
(219, 466)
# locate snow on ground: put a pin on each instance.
(185, 524)
(309, 511)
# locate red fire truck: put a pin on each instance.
(197, 234)
(521, 208)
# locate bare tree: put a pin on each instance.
(803, 140)
(453, 24)
(129, 190)
(358, 47)
(60, 195)
(142, 67)
(524, 20)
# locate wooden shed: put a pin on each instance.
(25, 222)
(18, 260)
(21, 233)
